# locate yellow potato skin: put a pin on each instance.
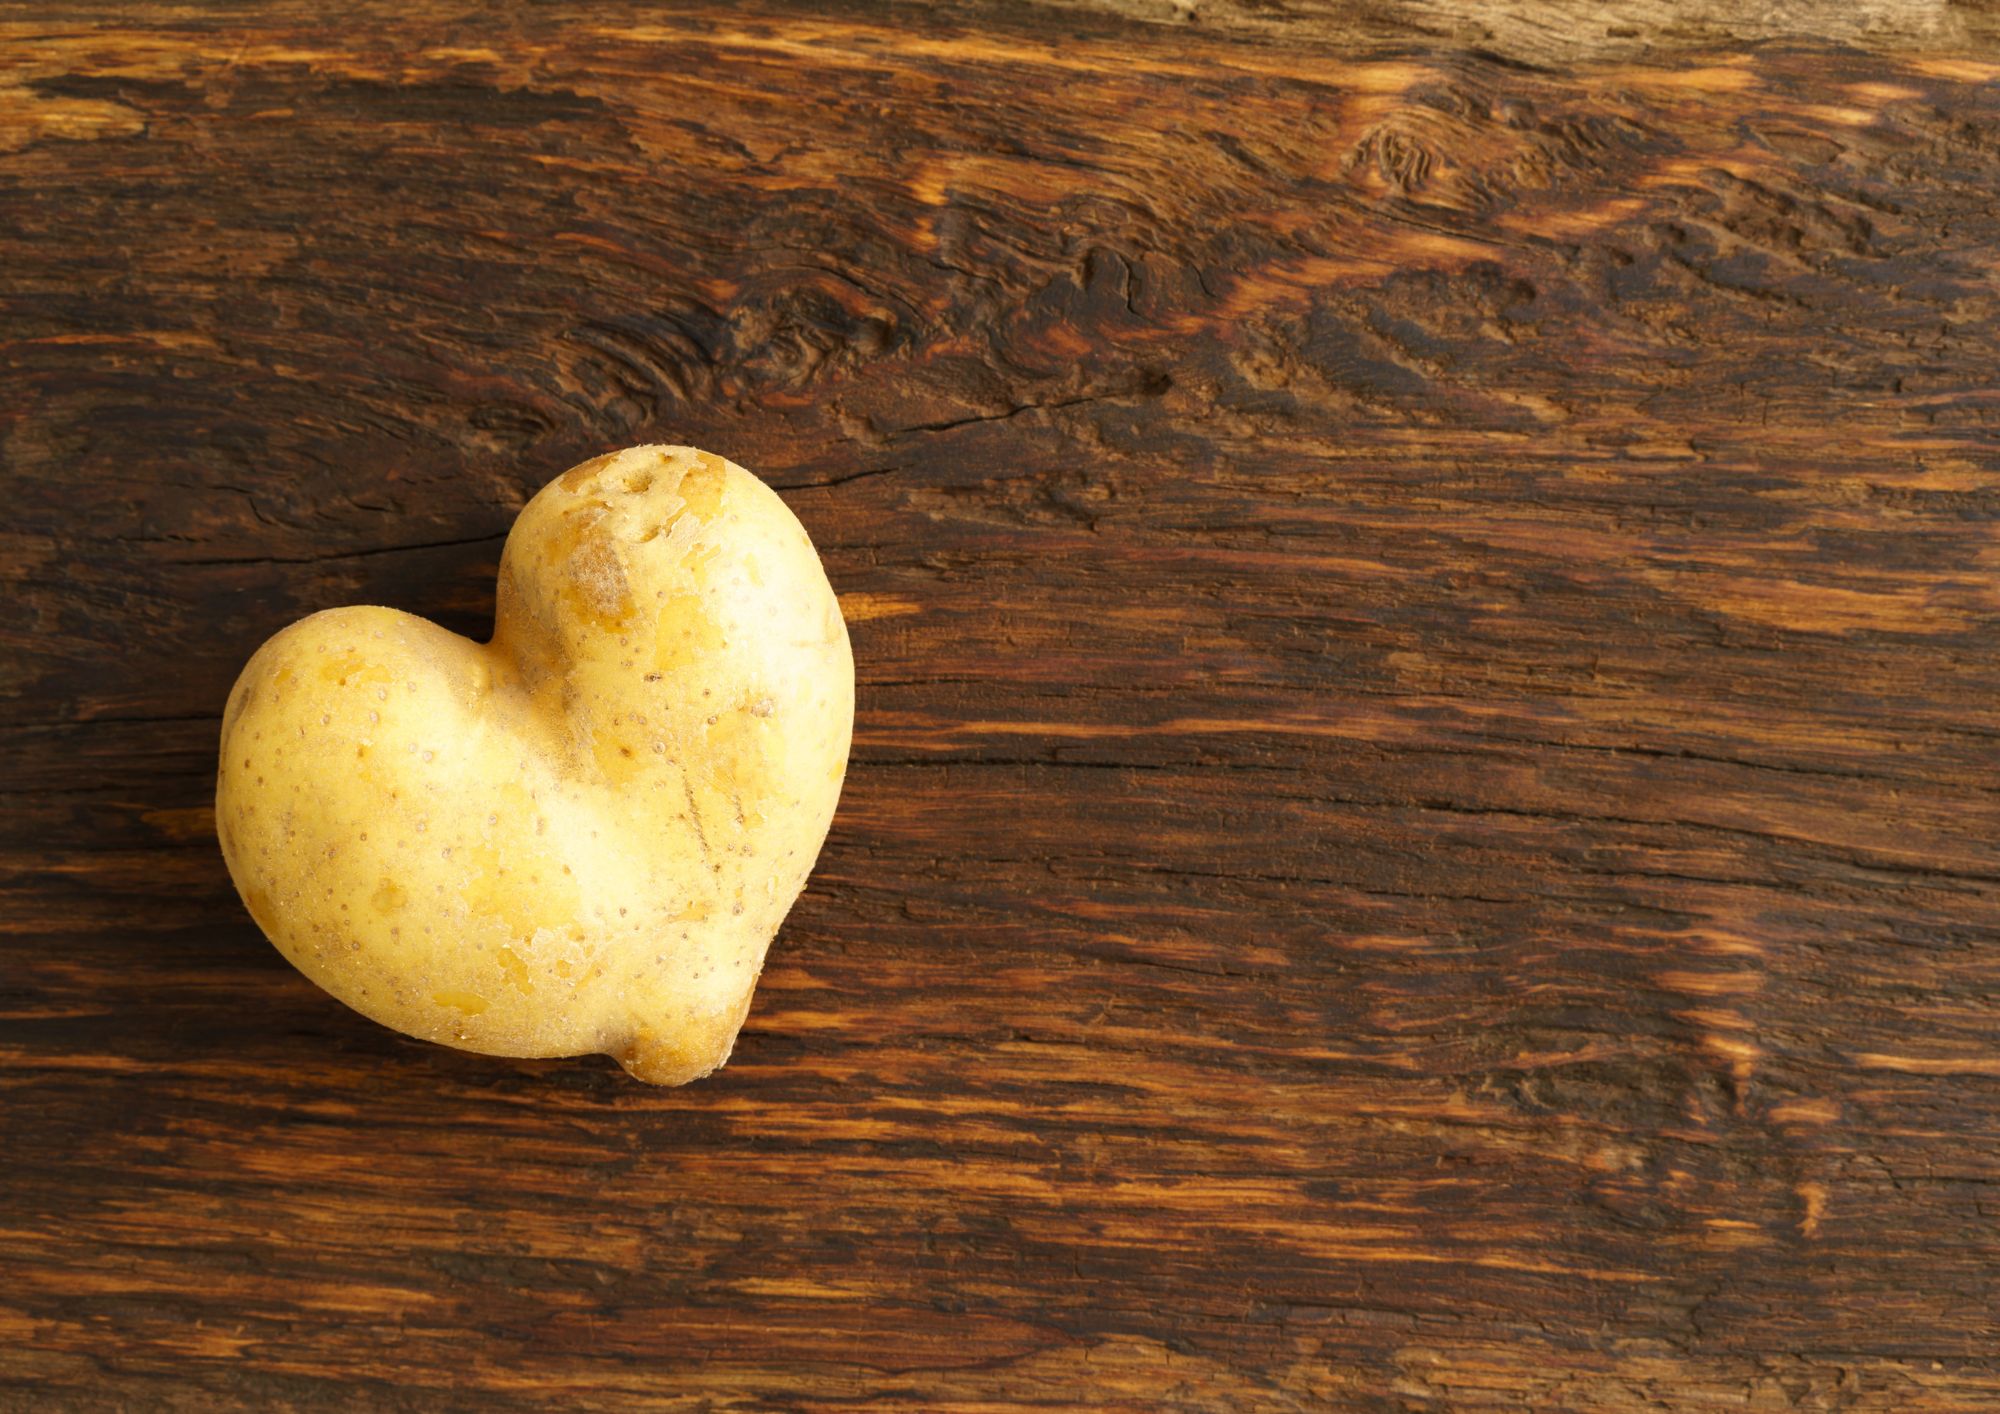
(581, 836)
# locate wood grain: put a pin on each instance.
(1423, 826)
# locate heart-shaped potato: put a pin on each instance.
(581, 836)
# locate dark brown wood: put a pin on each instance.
(1423, 825)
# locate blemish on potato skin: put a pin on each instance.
(597, 583)
(580, 475)
(516, 970)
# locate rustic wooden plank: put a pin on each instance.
(1423, 824)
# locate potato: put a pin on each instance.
(581, 836)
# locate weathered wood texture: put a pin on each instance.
(1423, 830)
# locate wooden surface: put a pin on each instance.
(1426, 586)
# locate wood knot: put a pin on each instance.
(1390, 156)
